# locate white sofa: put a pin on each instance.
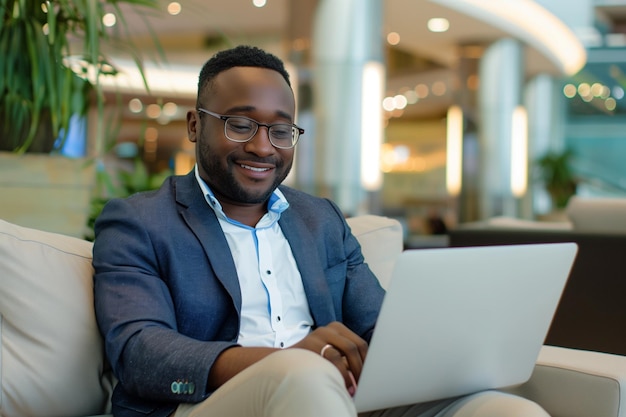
(51, 354)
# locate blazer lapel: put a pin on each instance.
(202, 221)
(304, 252)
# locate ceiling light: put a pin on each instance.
(170, 109)
(606, 92)
(439, 88)
(109, 20)
(172, 80)
(421, 90)
(411, 96)
(472, 82)
(610, 104)
(259, 3)
(388, 104)
(151, 134)
(135, 105)
(597, 89)
(393, 38)
(438, 24)
(174, 8)
(399, 101)
(569, 90)
(584, 89)
(153, 111)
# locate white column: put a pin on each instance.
(346, 37)
(501, 72)
(546, 118)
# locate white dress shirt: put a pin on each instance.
(274, 310)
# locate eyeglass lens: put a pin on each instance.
(241, 129)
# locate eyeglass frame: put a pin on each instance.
(225, 118)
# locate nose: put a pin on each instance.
(260, 144)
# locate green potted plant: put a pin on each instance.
(558, 176)
(53, 54)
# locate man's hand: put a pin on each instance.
(346, 350)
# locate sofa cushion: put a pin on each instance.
(51, 354)
(381, 240)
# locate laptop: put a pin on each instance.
(456, 321)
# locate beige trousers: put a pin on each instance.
(300, 383)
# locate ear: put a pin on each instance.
(193, 120)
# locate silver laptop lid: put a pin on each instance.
(461, 320)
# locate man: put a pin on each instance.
(226, 294)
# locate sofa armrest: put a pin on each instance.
(577, 383)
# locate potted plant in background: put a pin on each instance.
(558, 176)
(53, 57)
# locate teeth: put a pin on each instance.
(254, 168)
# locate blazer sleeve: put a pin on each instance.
(135, 308)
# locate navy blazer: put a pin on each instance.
(167, 295)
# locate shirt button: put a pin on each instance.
(282, 344)
(277, 318)
(268, 272)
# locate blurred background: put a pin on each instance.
(435, 112)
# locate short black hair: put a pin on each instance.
(239, 56)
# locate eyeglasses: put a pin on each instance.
(242, 129)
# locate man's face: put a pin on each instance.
(242, 173)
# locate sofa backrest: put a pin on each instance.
(51, 353)
(51, 359)
(598, 215)
(381, 240)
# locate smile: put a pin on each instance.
(255, 168)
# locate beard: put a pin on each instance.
(223, 182)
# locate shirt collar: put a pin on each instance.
(276, 205)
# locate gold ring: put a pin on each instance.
(325, 348)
